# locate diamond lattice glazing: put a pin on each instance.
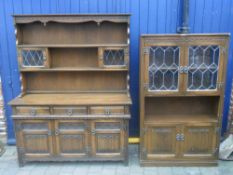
(32, 58)
(203, 67)
(163, 68)
(114, 57)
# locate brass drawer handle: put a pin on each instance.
(69, 112)
(93, 132)
(107, 111)
(33, 112)
(56, 132)
(178, 137)
(181, 137)
(49, 133)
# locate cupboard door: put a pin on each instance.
(33, 58)
(199, 141)
(160, 142)
(204, 68)
(162, 67)
(107, 138)
(71, 138)
(113, 57)
(36, 138)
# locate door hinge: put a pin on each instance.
(18, 127)
(124, 126)
(88, 149)
(180, 137)
(220, 85)
(144, 130)
(217, 129)
(93, 131)
(144, 152)
(146, 86)
(215, 151)
(146, 50)
(223, 49)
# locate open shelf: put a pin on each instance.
(73, 99)
(181, 109)
(174, 118)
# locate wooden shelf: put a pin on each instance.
(74, 69)
(174, 118)
(70, 45)
(73, 99)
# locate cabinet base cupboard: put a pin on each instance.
(75, 98)
(182, 80)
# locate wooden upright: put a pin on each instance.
(75, 96)
(182, 81)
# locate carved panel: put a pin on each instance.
(36, 143)
(108, 143)
(70, 143)
(161, 140)
(199, 140)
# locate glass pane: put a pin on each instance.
(203, 67)
(114, 57)
(32, 58)
(163, 68)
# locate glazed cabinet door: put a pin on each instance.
(34, 137)
(33, 58)
(199, 141)
(113, 57)
(204, 68)
(108, 138)
(160, 142)
(71, 138)
(161, 69)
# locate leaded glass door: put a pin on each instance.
(203, 68)
(162, 65)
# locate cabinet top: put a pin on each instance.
(71, 18)
(187, 35)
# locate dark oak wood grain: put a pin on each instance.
(180, 111)
(75, 99)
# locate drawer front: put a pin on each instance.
(24, 110)
(70, 110)
(107, 110)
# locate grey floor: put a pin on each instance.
(9, 166)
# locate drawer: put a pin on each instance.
(26, 110)
(105, 125)
(107, 110)
(82, 110)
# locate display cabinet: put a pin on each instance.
(181, 98)
(75, 99)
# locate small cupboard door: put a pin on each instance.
(71, 138)
(199, 141)
(160, 142)
(162, 69)
(113, 57)
(204, 69)
(35, 138)
(107, 138)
